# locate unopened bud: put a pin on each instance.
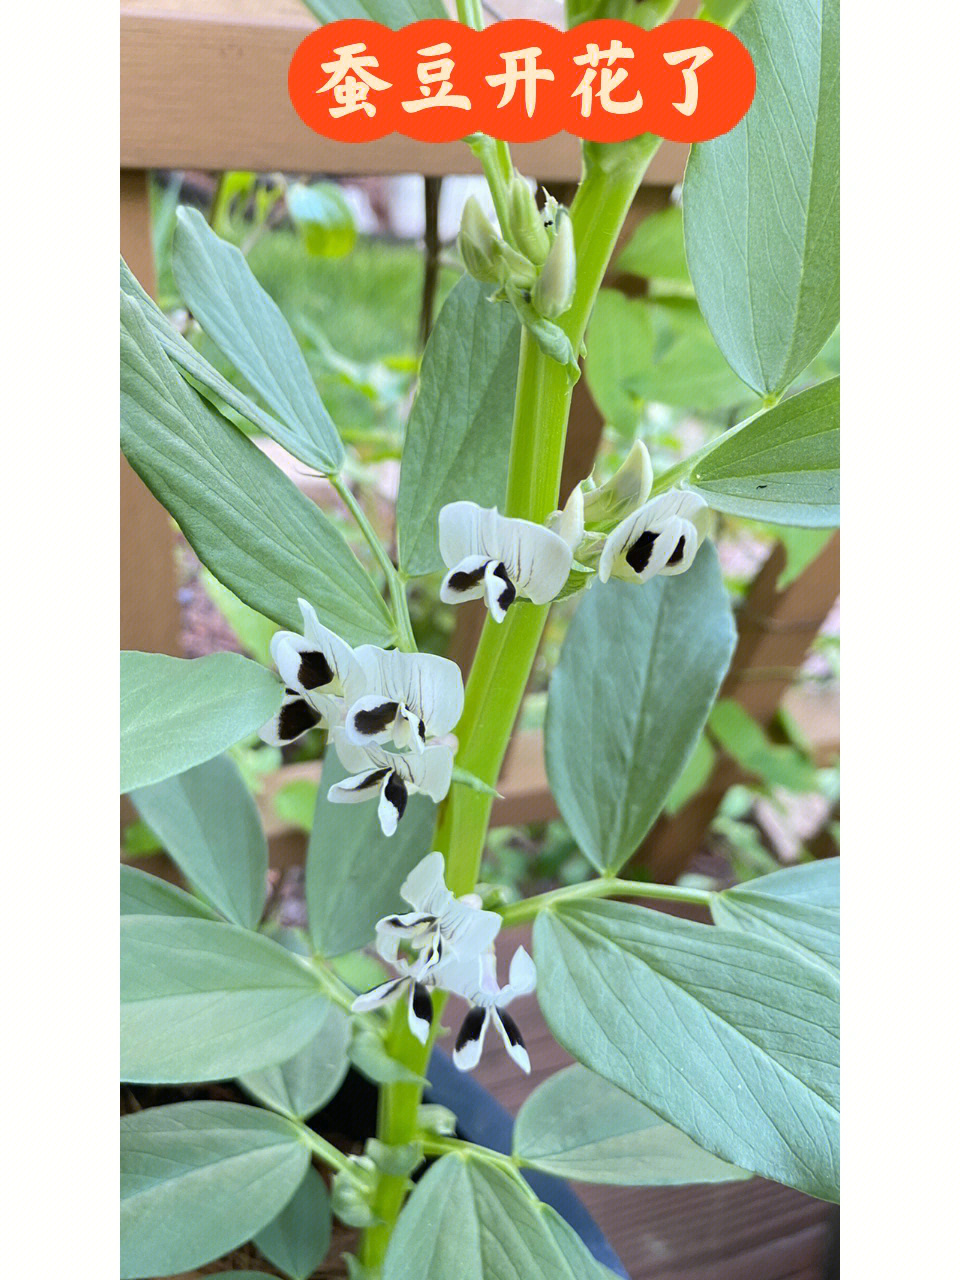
(626, 490)
(514, 268)
(477, 242)
(553, 292)
(350, 1201)
(526, 225)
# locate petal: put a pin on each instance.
(512, 1039)
(617, 541)
(357, 759)
(393, 801)
(430, 772)
(464, 581)
(468, 931)
(523, 977)
(384, 994)
(570, 523)
(459, 532)
(536, 560)
(371, 719)
(462, 976)
(470, 1038)
(420, 1012)
(684, 549)
(498, 589)
(409, 731)
(295, 717)
(429, 686)
(424, 887)
(362, 786)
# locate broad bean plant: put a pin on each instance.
(704, 1051)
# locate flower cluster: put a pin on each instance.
(616, 530)
(367, 698)
(448, 944)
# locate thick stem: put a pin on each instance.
(506, 652)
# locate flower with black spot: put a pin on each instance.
(376, 773)
(408, 698)
(419, 1004)
(321, 676)
(497, 558)
(476, 981)
(662, 537)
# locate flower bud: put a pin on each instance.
(348, 1200)
(526, 225)
(553, 292)
(514, 268)
(477, 242)
(624, 492)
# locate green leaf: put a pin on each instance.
(297, 1240)
(638, 673)
(581, 1264)
(577, 1125)
(300, 1086)
(190, 361)
(745, 741)
(761, 203)
(145, 895)
(208, 823)
(799, 906)
(782, 465)
(467, 1220)
(392, 13)
(250, 525)
(323, 218)
(639, 350)
(457, 442)
(728, 1036)
(199, 1178)
(696, 773)
(655, 250)
(178, 712)
(353, 870)
(369, 1055)
(246, 324)
(296, 803)
(201, 1000)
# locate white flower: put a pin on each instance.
(662, 537)
(443, 931)
(392, 777)
(321, 674)
(408, 697)
(626, 490)
(419, 1004)
(476, 981)
(442, 928)
(568, 523)
(493, 556)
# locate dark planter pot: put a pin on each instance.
(481, 1119)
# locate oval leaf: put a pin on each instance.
(250, 525)
(247, 325)
(782, 465)
(199, 1178)
(638, 672)
(732, 1038)
(202, 1000)
(300, 1086)
(297, 1240)
(799, 906)
(467, 1220)
(145, 895)
(457, 442)
(354, 871)
(761, 203)
(577, 1125)
(208, 823)
(179, 712)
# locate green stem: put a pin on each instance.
(328, 1153)
(439, 1146)
(605, 887)
(506, 652)
(398, 599)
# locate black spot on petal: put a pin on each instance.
(376, 719)
(422, 1004)
(464, 581)
(677, 555)
(471, 1027)
(315, 671)
(509, 592)
(396, 794)
(638, 557)
(511, 1028)
(296, 717)
(370, 780)
(422, 730)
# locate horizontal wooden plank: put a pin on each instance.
(203, 85)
